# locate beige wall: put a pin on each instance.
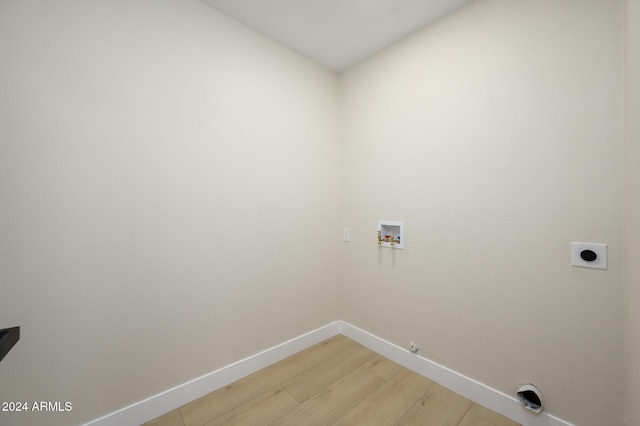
(169, 184)
(170, 198)
(632, 208)
(496, 136)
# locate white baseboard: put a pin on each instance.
(171, 399)
(484, 395)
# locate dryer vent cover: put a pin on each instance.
(531, 398)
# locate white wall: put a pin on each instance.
(169, 184)
(496, 136)
(632, 208)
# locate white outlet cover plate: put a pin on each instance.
(599, 249)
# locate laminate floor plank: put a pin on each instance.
(172, 418)
(491, 416)
(471, 419)
(438, 407)
(336, 382)
(319, 377)
(211, 406)
(259, 411)
(331, 404)
(390, 402)
(383, 367)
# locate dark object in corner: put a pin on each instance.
(8, 338)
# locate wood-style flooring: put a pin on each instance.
(336, 382)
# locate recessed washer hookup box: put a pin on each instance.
(8, 338)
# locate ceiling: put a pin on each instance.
(336, 33)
